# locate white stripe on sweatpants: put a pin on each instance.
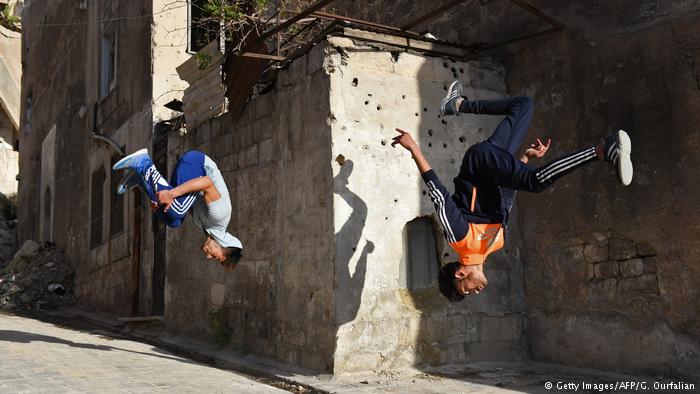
(569, 162)
(186, 204)
(442, 215)
(559, 163)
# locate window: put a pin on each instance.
(420, 270)
(202, 29)
(96, 201)
(116, 204)
(108, 63)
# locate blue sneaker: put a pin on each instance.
(138, 161)
(618, 148)
(130, 180)
(134, 179)
(448, 105)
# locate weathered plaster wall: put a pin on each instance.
(378, 190)
(168, 50)
(276, 160)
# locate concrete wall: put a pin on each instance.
(610, 274)
(378, 190)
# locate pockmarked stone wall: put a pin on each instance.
(384, 323)
(321, 202)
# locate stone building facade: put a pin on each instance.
(93, 86)
(341, 244)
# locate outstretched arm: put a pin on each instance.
(201, 184)
(404, 139)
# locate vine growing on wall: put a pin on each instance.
(10, 21)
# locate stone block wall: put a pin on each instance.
(321, 203)
(275, 159)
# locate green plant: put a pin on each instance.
(219, 323)
(203, 60)
(8, 20)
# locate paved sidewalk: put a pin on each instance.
(38, 357)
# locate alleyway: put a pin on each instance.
(38, 357)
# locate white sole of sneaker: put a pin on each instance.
(624, 162)
(123, 162)
(447, 97)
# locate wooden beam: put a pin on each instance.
(263, 56)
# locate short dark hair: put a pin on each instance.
(233, 256)
(446, 282)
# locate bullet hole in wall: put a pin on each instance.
(444, 145)
(452, 161)
(430, 132)
(425, 109)
(355, 82)
(461, 70)
(383, 142)
(430, 144)
(461, 139)
(366, 102)
(403, 96)
(416, 113)
(369, 94)
(444, 121)
(445, 64)
(424, 192)
(379, 107)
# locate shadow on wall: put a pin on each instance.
(349, 286)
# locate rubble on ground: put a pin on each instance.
(8, 230)
(37, 277)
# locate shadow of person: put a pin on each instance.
(28, 337)
(349, 286)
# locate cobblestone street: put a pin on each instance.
(38, 357)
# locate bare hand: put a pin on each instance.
(166, 197)
(538, 149)
(404, 139)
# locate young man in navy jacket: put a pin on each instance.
(474, 217)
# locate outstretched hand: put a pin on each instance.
(538, 149)
(404, 139)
